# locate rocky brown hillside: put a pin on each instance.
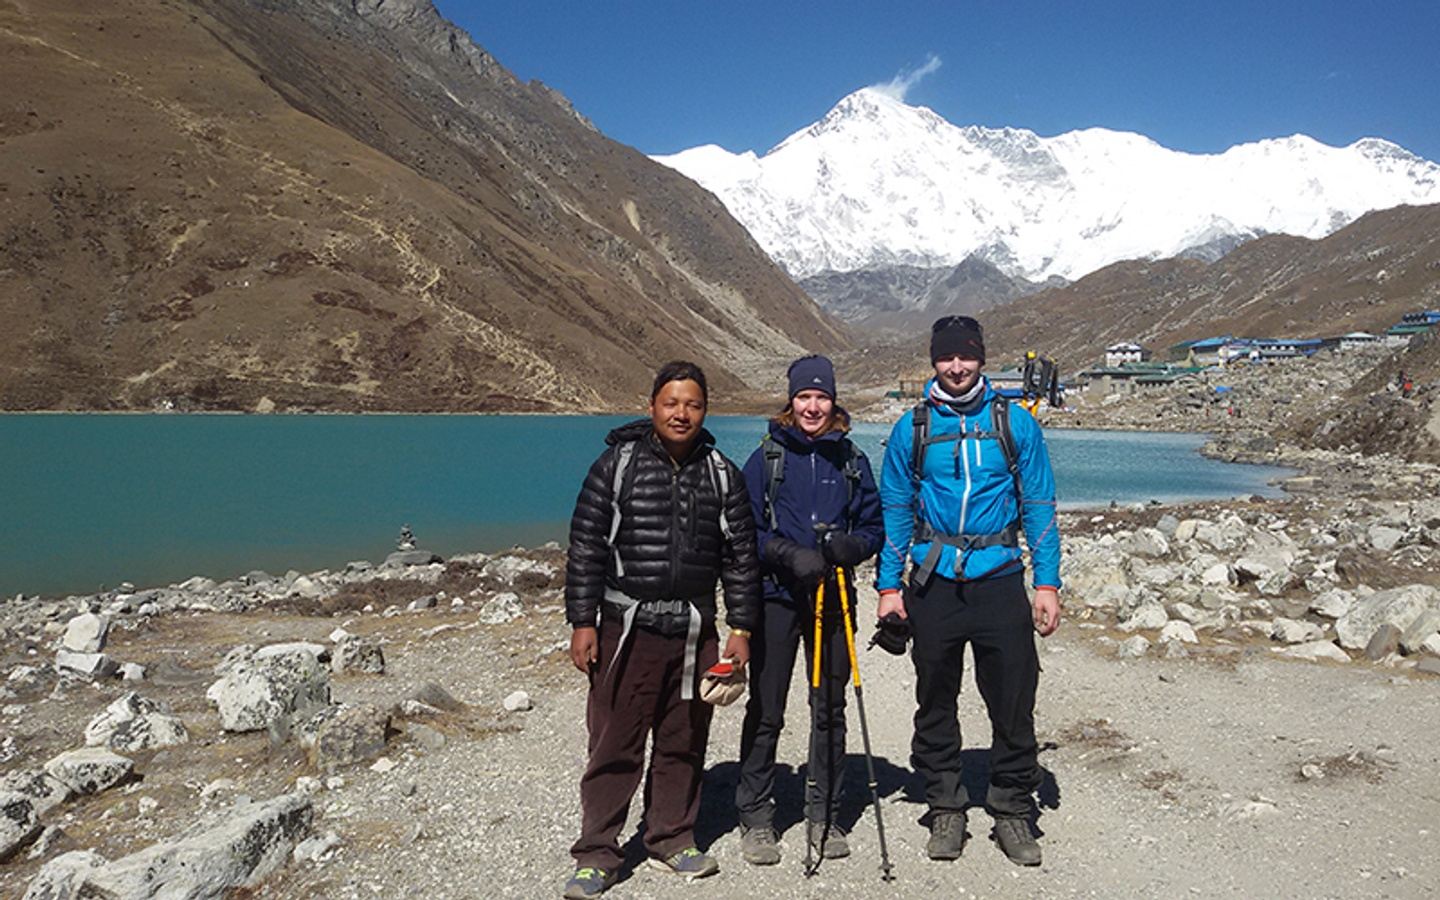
(239, 204)
(1363, 277)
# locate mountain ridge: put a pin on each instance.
(858, 188)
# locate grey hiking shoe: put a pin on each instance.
(689, 864)
(947, 835)
(1015, 839)
(758, 846)
(589, 882)
(834, 845)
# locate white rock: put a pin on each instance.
(1133, 647)
(1384, 538)
(1398, 606)
(358, 654)
(132, 672)
(338, 635)
(63, 878)
(1432, 645)
(86, 633)
(1149, 543)
(1317, 650)
(44, 791)
(1425, 626)
(1185, 531)
(19, 823)
(316, 849)
(500, 608)
(382, 765)
(1148, 616)
(1217, 575)
(148, 805)
(308, 785)
(89, 770)
(307, 587)
(1333, 603)
(517, 701)
(1178, 631)
(1294, 631)
(134, 723)
(270, 686)
(89, 665)
(253, 841)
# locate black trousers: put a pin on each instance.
(994, 617)
(772, 662)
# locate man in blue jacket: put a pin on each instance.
(964, 473)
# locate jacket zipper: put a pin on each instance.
(674, 528)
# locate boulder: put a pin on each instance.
(271, 686)
(1385, 641)
(19, 823)
(1157, 576)
(1133, 647)
(1187, 529)
(134, 723)
(520, 573)
(1168, 525)
(1149, 616)
(86, 633)
(517, 701)
(1384, 537)
(250, 842)
(1270, 573)
(358, 654)
(1431, 645)
(89, 770)
(345, 735)
(87, 665)
(1398, 606)
(1295, 631)
(1149, 543)
(44, 791)
(1425, 626)
(1178, 631)
(1218, 575)
(500, 608)
(1317, 650)
(1333, 603)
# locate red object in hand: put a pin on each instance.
(725, 668)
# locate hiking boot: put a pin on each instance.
(589, 882)
(947, 835)
(1014, 837)
(689, 864)
(834, 845)
(758, 846)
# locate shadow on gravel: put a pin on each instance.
(975, 776)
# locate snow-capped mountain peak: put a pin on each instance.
(877, 181)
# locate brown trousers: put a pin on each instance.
(640, 700)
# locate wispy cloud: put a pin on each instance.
(897, 87)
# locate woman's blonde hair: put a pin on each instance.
(839, 419)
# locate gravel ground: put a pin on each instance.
(1164, 778)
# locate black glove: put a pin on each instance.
(843, 549)
(892, 633)
(804, 565)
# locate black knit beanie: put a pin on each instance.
(957, 334)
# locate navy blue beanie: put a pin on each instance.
(812, 373)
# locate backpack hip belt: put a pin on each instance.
(629, 607)
(1010, 537)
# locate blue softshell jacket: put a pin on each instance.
(968, 492)
(812, 491)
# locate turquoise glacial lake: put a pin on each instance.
(95, 500)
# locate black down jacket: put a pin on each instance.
(670, 539)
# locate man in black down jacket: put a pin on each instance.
(648, 575)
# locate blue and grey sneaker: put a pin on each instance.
(689, 864)
(588, 882)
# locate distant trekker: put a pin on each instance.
(965, 472)
(661, 517)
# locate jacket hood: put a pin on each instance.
(644, 430)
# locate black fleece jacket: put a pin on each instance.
(669, 538)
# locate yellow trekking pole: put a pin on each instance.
(864, 726)
(819, 612)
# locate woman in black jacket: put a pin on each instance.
(816, 508)
(662, 515)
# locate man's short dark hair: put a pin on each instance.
(680, 370)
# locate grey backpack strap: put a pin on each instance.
(720, 479)
(624, 454)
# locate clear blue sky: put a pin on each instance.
(663, 75)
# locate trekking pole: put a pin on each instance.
(813, 865)
(864, 726)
